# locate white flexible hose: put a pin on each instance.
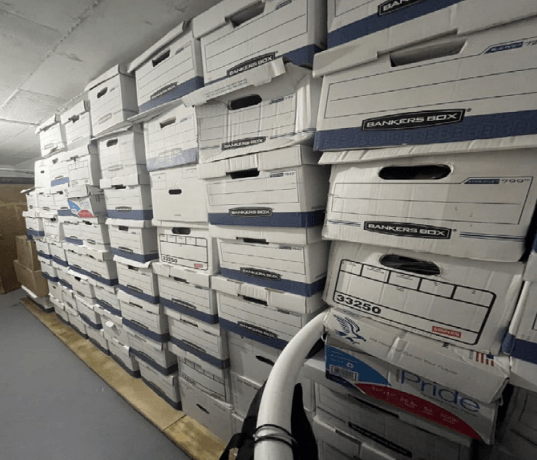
(277, 400)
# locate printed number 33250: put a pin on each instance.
(355, 303)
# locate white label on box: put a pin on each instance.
(84, 170)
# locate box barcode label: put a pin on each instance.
(344, 373)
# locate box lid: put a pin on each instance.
(298, 236)
(111, 73)
(75, 111)
(52, 120)
(129, 223)
(132, 263)
(190, 276)
(171, 35)
(81, 191)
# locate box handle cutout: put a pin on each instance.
(181, 231)
(254, 172)
(130, 267)
(102, 92)
(161, 58)
(91, 241)
(124, 249)
(95, 273)
(264, 360)
(55, 160)
(422, 172)
(425, 53)
(168, 122)
(251, 299)
(203, 409)
(254, 240)
(176, 191)
(119, 187)
(74, 118)
(246, 14)
(111, 142)
(408, 264)
(189, 323)
(87, 222)
(181, 280)
(122, 228)
(134, 288)
(245, 102)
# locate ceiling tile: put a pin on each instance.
(26, 141)
(30, 107)
(9, 129)
(61, 15)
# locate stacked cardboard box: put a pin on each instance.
(424, 272)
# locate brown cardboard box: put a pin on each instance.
(8, 279)
(27, 253)
(32, 279)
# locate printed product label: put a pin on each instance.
(250, 212)
(260, 273)
(408, 230)
(391, 6)
(257, 330)
(243, 143)
(412, 120)
(251, 64)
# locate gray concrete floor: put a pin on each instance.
(53, 407)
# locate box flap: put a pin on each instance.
(81, 151)
(255, 77)
(28, 190)
(81, 191)
(133, 263)
(131, 180)
(75, 111)
(190, 276)
(297, 236)
(117, 130)
(168, 224)
(129, 223)
(149, 114)
(52, 120)
(111, 73)
(171, 35)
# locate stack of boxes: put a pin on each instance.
(424, 272)
(214, 191)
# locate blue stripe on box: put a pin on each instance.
(184, 157)
(493, 126)
(74, 241)
(375, 23)
(108, 307)
(54, 279)
(280, 219)
(520, 349)
(145, 214)
(163, 370)
(98, 345)
(294, 287)
(65, 212)
(59, 261)
(142, 258)
(205, 317)
(90, 323)
(159, 392)
(216, 362)
(63, 180)
(249, 334)
(174, 93)
(140, 295)
(44, 256)
(35, 233)
(161, 338)
(66, 284)
(135, 374)
(107, 282)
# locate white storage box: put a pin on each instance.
(187, 291)
(166, 386)
(129, 202)
(94, 235)
(263, 256)
(121, 355)
(106, 297)
(96, 337)
(251, 359)
(243, 391)
(42, 174)
(84, 169)
(530, 274)
(249, 311)
(122, 154)
(475, 206)
(43, 249)
(155, 354)
(138, 281)
(112, 99)
(239, 35)
(68, 298)
(210, 412)
(72, 233)
(168, 70)
(278, 114)
(143, 317)
(406, 390)
(82, 287)
(112, 330)
(87, 202)
(188, 246)
(58, 304)
(213, 381)
(34, 227)
(61, 313)
(102, 270)
(367, 423)
(77, 324)
(49, 273)
(59, 171)
(171, 138)
(55, 290)
(133, 239)
(53, 230)
(61, 204)
(478, 375)
(31, 197)
(77, 124)
(520, 341)
(208, 342)
(279, 188)
(523, 374)
(179, 195)
(374, 28)
(87, 312)
(464, 302)
(51, 136)
(46, 204)
(65, 278)
(454, 94)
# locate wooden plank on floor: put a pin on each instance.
(193, 438)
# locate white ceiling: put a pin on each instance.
(50, 49)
